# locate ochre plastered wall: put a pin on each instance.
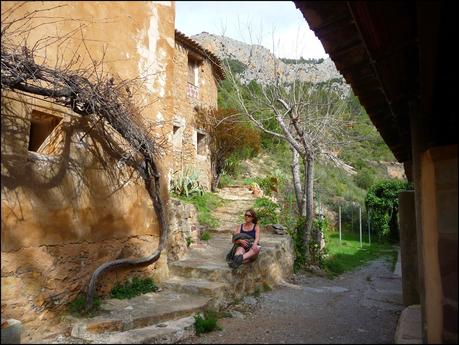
(186, 158)
(72, 207)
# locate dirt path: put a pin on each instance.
(358, 307)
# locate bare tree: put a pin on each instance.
(226, 134)
(104, 99)
(311, 118)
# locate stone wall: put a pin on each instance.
(65, 211)
(71, 206)
(271, 268)
(183, 228)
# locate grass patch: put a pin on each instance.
(349, 255)
(133, 288)
(226, 180)
(205, 204)
(205, 236)
(77, 306)
(207, 322)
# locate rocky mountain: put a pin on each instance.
(256, 62)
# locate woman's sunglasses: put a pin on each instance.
(248, 215)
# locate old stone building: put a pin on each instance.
(197, 72)
(68, 204)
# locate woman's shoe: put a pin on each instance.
(237, 261)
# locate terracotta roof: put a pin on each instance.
(205, 53)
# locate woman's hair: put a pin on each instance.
(254, 215)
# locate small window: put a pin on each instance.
(176, 137)
(201, 143)
(193, 71)
(41, 126)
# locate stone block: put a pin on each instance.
(11, 331)
(277, 229)
(409, 326)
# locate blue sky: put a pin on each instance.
(253, 22)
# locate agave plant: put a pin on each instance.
(186, 183)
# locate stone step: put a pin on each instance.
(200, 269)
(141, 311)
(195, 286)
(222, 231)
(169, 332)
(216, 291)
(246, 199)
(209, 263)
(233, 213)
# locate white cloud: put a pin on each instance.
(252, 22)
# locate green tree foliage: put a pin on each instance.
(382, 202)
(236, 66)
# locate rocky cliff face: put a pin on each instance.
(258, 62)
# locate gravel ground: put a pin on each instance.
(359, 307)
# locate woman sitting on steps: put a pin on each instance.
(246, 238)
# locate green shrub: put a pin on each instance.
(364, 178)
(298, 244)
(268, 184)
(207, 322)
(133, 288)
(267, 287)
(77, 306)
(382, 203)
(205, 203)
(225, 180)
(266, 211)
(316, 254)
(233, 166)
(205, 236)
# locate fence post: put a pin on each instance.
(360, 225)
(369, 230)
(339, 217)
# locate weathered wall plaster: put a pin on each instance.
(72, 206)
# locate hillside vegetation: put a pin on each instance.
(343, 173)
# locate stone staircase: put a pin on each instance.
(238, 199)
(200, 280)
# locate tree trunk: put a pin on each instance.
(214, 173)
(297, 180)
(308, 192)
(215, 181)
